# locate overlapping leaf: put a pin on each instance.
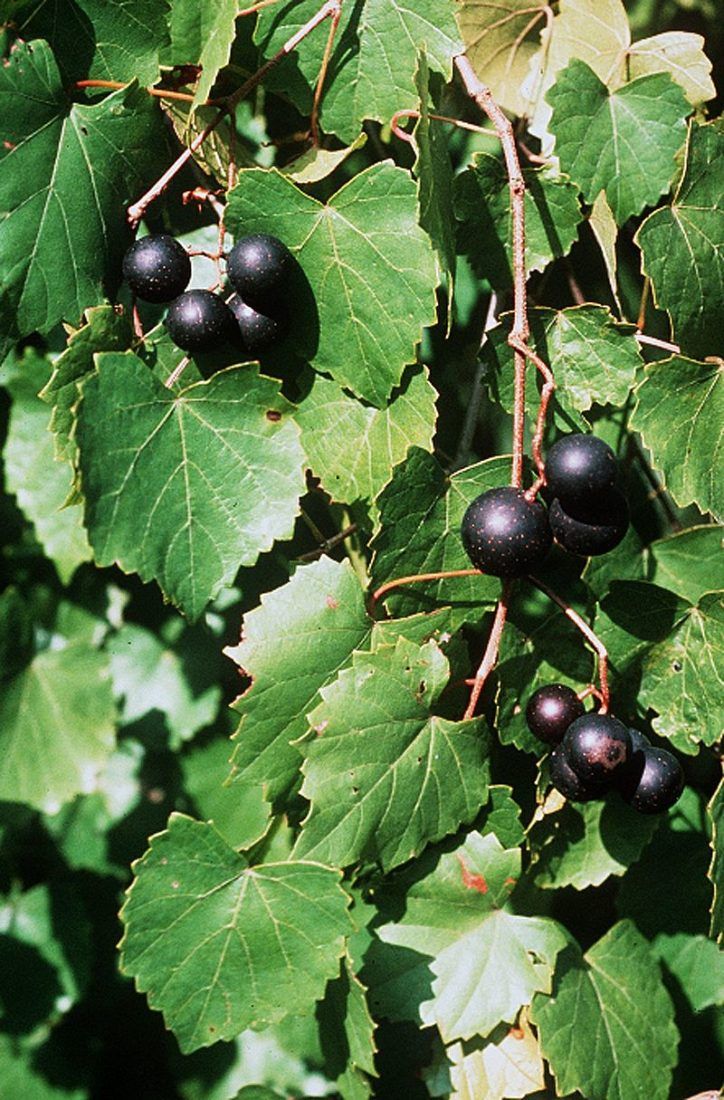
(683, 246)
(697, 964)
(679, 53)
(434, 173)
(202, 34)
(614, 996)
(348, 1032)
(218, 945)
(56, 727)
(40, 484)
(373, 58)
(507, 1069)
(185, 488)
(688, 562)
(594, 359)
(620, 142)
(102, 39)
(322, 605)
(673, 649)
(368, 279)
(680, 414)
(583, 844)
(501, 40)
(353, 448)
(716, 869)
(482, 205)
(64, 186)
(378, 773)
(420, 515)
(488, 963)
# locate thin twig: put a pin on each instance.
(413, 578)
(177, 372)
(404, 136)
(328, 544)
(593, 639)
(137, 210)
(137, 323)
(641, 322)
(656, 343)
(336, 16)
(491, 650)
(158, 93)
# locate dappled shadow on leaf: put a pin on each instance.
(538, 194)
(30, 987)
(643, 610)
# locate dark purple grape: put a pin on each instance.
(657, 784)
(550, 711)
(258, 267)
(565, 780)
(199, 320)
(596, 746)
(157, 268)
(579, 468)
(504, 534)
(596, 532)
(258, 330)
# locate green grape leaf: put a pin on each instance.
(488, 963)
(316, 163)
(615, 997)
(698, 966)
(22, 1073)
(17, 636)
(512, 1066)
(40, 484)
(101, 39)
(105, 329)
(593, 356)
(503, 817)
(56, 727)
(434, 172)
(324, 602)
(372, 63)
(675, 649)
(368, 271)
(202, 34)
(149, 675)
(688, 562)
(680, 414)
(584, 844)
(353, 448)
(682, 246)
(185, 488)
(70, 165)
(376, 770)
(420, 515)
(604, 228)
(501, 42)
(620, 142)
(482, 206)
(716, 868)
(219, 945)
(681, 55)
(347, 1031)
(241, 821)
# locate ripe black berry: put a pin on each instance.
(258, 267)
(504, 534)
(157, 268)
(550, 711)
(565, 780)
(199, 320)
(579, 468)
(596, 746)
(657, 784)
(596, 532)
(258, 330)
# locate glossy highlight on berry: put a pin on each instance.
(504, 534)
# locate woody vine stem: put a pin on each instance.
(517, 339)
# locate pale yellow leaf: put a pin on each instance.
(507, 1070)
(605, 231)
(679, 53)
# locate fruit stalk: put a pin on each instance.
(490, 656)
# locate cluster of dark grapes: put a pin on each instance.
(506, 535)
(158, 269)
(593, 753)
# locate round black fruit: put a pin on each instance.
(657, 784)
(565, 780)
(578, 468)
(550, 711)
(596, 532)
(596, 746)
(258, 267)
(258, 330)
(199, 320)
(504, 534)
(157, 268)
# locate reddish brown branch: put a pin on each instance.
(413, 578)
(335, 17)
(490, 656)
(137, 210)
(159, 93)
(593, 640)
(404, 136)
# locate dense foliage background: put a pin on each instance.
(383, 900)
